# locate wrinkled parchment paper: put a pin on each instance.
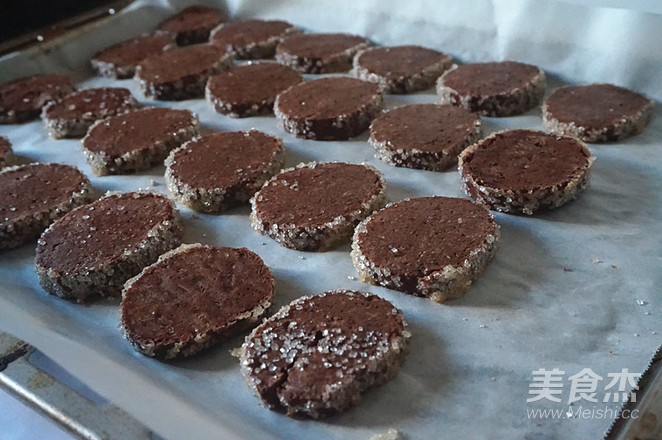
(571, 289)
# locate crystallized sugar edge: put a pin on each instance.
(418, 81)
(524, 202)
(323, 237)
(342, 126)
(141, 159)
(419, 159)
(518, 101)
(193, 87)
(628, 125)
(442, 285)
(338, 396)
(340, 62)
(218, 199)
(259, 50)
(238, 111)
(16, 233)
(59, 128)
(201, 341)
(108, 279)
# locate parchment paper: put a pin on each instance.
(471, 361)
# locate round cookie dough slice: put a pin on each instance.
(334, 108)
(6, 153)
(505, 88)
(596, 112)
(320, 53)
(182, 73)
(317, 355)
(95, 249)
(35, 195)
(250, 89)
(524, 171)
(120, 61)
(222, 170)
(314, 207)
(433, 247)
(137, 140)
(424, 136)
(22, 99)
(252, 39)
(194, 297)
(73, 115)
(401, 69)
(192, 25)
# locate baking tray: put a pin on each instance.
(570, 289)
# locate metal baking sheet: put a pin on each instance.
(572, 289)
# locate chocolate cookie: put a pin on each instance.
(252, 39)
(504, 88)
(120, 61)
(35, 195)
(192, 25)
(317, 355)
(524, 171)
(314, 207)
(401, 69)
(95, 249)
(424, 136)
(138, 140)
(320, 53)
(6, 153)
(182, 73)
(328, 108)
(250, 89)
(73, 115)
(222, 170)
(200, 295)
(596, 112)
(433, 247)
(22, 99)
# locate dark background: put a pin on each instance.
(19, 17)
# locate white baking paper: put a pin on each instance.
(471, 363)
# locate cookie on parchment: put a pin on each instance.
(596, 112)
(73, 115)
(401, 69)
(181, 73)
(250, 89)
(316, 206)
(22, 99)
(192, 25)
(252, 39)
(94, 249)
(120, 60)
(524, 171)
(320, 53)
(194, 297)
(33, 196)
(335, 108)
(318, 354)
(138, 140)
(433, 247)
(424, 136)
(222, 170)
(505, 88)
